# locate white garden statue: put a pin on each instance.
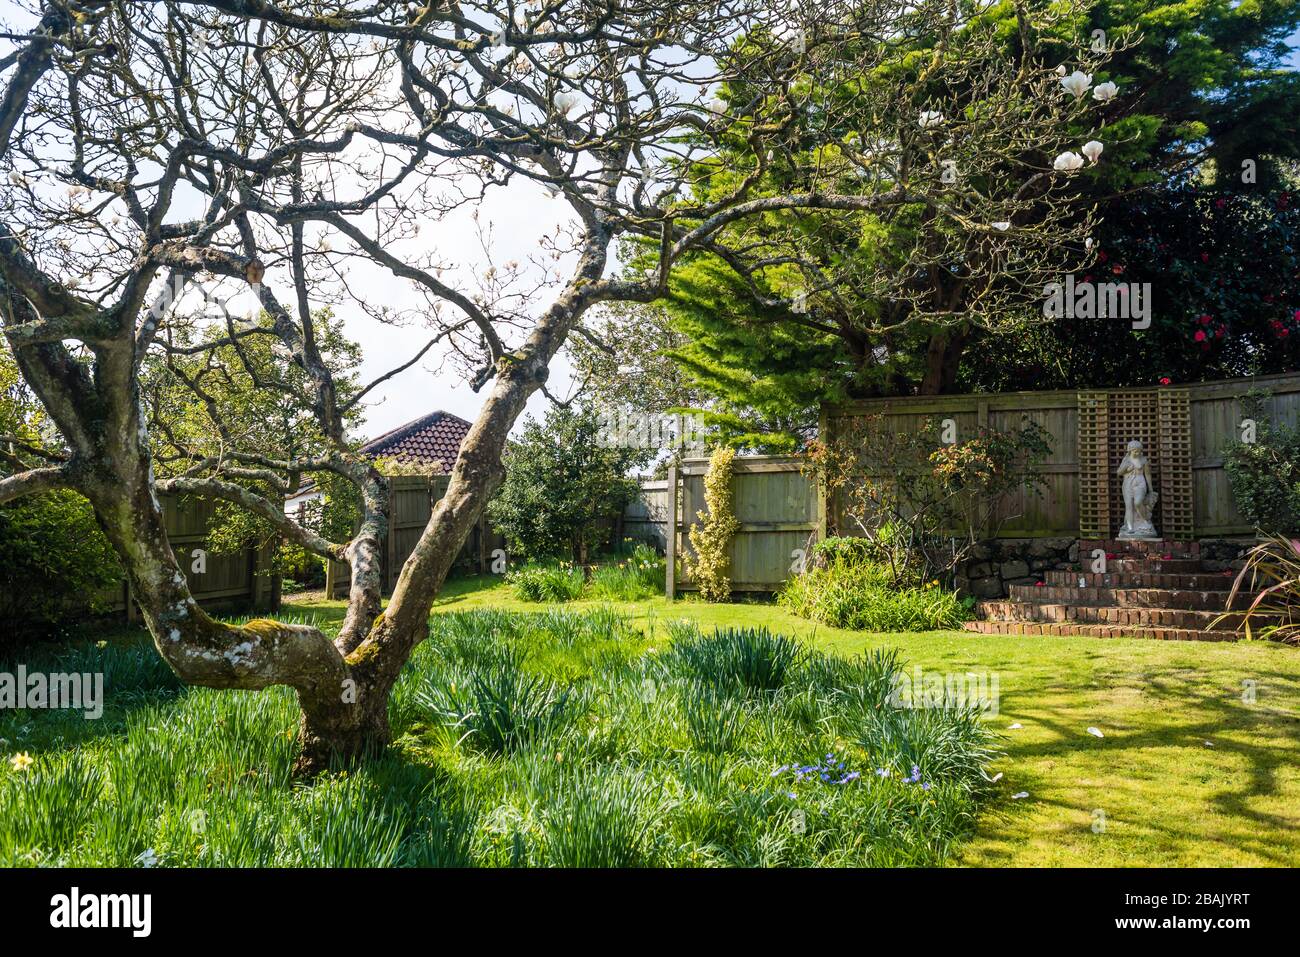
(1139, 497)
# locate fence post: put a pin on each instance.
(670, 538)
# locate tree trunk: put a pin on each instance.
(943, 361)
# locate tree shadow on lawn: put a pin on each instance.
(1159, 720)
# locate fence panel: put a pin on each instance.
(1216, 414)
(646, 517)
(413, 498)
(242, 581)
(776, 505)
(1053, 512)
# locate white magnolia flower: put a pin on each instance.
(1001, 227)
(1087, 243)
(1104, 91)
(929, 119)
(565, 102)
(1067, 162)
(1060, 70)
(1077, 82)
(1092, 149)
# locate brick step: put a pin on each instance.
(1201, 581)
(1069, 629)
(1125, 547)
(1109, 615)
(1205, 600)
(1179, 566)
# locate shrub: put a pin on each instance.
(53, 561)
(711, 539)
(1272, 575)
(563, 484)
(556, 581)
(862, 596)
(1265, 473)
(923, 498)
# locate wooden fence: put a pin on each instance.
(245, 581)
(775, 503)
(1185, 431)
(413, 497)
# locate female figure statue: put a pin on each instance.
(1139, 497)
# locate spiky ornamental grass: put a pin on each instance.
(552, 739)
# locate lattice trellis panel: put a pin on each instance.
(1161, 421)
(1176, 493)
(1094, 476)
(1134, 414)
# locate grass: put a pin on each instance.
(631, 574)
(545, 738)
(1166, 797)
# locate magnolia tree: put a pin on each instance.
(162, 157)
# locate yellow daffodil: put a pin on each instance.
(21, 762)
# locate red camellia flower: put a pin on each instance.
(1101, 255)
(1117, 269)
(1284, 333)
(1206, 320)
(1200, 335)
(1165, 381)
(1296, 315)
(1205, 257)
(1218, 333)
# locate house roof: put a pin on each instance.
(431, 439)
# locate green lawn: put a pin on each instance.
(1187, 773)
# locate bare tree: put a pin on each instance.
(152, 149)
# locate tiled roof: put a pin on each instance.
(433, 438)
